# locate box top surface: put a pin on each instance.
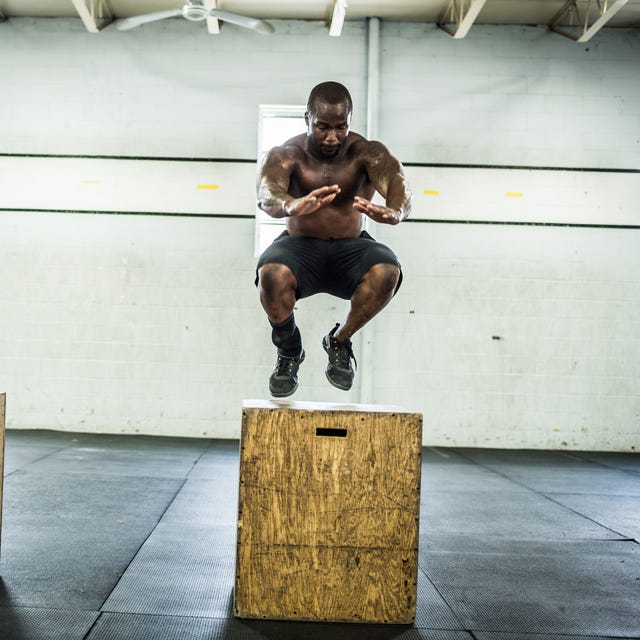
(321, 406)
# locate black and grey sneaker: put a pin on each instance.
(284, 378)
(339, 371)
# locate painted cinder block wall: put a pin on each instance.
(502, 335)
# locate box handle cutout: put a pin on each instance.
(331, 433)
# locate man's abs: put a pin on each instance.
(328, 222)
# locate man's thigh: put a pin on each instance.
(352, 259)
(304, 256)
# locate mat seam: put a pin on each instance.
(92, 627)
(169, 503)
(44, 457)
(453, 613)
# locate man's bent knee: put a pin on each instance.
(274, 277)
(383, 277)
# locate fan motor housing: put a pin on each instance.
(195, 10)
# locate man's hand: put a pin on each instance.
(312, 201)
(376, 212)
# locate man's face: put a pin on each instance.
(328, 127)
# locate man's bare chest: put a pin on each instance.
(349, 176)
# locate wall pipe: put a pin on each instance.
(373, 92)
(373, 76)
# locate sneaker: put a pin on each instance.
(339, 371)
(284, 378)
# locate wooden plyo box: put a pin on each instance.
(328, 513)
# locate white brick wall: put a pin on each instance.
(516, 336)
(151, 324)
(511, 96)
(168, 89)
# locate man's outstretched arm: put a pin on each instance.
(273, 185)
(387, 176)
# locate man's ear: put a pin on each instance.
(306, 118)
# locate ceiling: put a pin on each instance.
(607, 13)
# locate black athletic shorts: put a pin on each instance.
(327, 266)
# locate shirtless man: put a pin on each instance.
(322, 181)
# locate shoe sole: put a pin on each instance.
(335, 384)
(284, 395)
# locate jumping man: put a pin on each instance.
(322, 182)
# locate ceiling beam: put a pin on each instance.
(96, 16)
(605, 16)
(337, 18)
(462, 16)
(605, 10)
(213, 24)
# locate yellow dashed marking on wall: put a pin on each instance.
(431, 192)
(513, 194)
(207, 186)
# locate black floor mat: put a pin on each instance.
(140, 531)
(23, 623)
(67, 539)
(573, 587)
(114, 626)
(182, 570)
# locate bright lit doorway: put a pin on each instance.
(277, 123)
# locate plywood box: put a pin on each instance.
(328, 512)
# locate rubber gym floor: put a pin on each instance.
(109, 537)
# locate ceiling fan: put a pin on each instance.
(196, 11)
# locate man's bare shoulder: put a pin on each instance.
(292, 149)
(368, 150)
(285, 157)
(357, 143)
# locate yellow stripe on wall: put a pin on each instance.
(207, 186)
(430, 192)
(513, 194)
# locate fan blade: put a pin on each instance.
(124, 24)
(254, 24)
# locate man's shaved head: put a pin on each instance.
(330, 93)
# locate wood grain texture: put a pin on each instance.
(328, 512)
